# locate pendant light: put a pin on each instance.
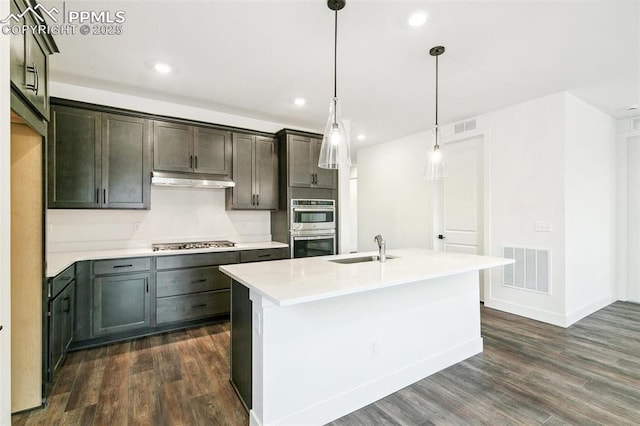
(334, 152)
(435, 169)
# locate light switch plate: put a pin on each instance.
(542, 226)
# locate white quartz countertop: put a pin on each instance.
(59, 261)
(295, 281)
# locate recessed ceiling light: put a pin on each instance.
(299, 101)
(162, 68)
(633, 107)
(361, 137)
(417, 19)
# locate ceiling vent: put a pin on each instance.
(464, 126)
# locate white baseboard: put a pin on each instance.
(585, 311)
(546, 316)
(527, 312)
(363, 395)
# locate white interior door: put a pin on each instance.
(458, 201)
(634, 219)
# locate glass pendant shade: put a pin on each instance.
(435, 168)
(334, 152)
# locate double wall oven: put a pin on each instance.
(312, 228)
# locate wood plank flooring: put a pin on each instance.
(530, 373)
(179, 378)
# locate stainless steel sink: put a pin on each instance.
(359, 259)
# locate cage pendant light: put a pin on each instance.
(435, 168)
(334, 151)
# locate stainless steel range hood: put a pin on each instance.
(190, 180)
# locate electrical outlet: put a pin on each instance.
(542, 226)
(136, 226)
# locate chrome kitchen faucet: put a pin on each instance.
(382, 247)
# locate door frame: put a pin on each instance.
(623, 266)
(5, 227)
(485, 227)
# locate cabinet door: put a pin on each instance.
(266, 174)
(55, 333)
(212, 151)
(243, 159)
(36, 74)
(74, 158)
(172, 147)
(120, 303)
(18, 53)
(68, 300)
(300, 166)
(325, 178)
(61, 326)
(126, 154)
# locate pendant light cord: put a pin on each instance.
(335, 57)
(436, 129)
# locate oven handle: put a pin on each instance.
(309, 209)
(315, 237)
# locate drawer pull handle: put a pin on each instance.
(199, 281)
(122, 266)
(201, 305)
(34, 70)
(65, 278)
(264, 255)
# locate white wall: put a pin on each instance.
(176, 213)
(590, 208)
(549, 159)
(393, 198)
(527, 184)
(5, 228)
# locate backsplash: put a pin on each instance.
(177, 214)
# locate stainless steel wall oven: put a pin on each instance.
(312, 228)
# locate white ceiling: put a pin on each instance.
(253, 58)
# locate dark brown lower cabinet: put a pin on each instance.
(241, 347)
(121, 303)
(61, 309)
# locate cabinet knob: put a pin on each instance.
(1, 327)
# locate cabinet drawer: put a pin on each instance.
(62, 279)
(185, 281)
(264, 254)
(192, 260)
(117, 266)
(193, 306)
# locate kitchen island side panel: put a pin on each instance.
(317, 361)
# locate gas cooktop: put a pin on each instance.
(192, 245)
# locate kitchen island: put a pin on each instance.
(318, 339)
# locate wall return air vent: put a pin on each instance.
(532, 270)
(465, 126)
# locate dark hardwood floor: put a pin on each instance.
(530, 373)
(179, 378)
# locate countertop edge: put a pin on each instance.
(495, 262)
(57, 262)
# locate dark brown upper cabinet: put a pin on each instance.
(191, 149)
(30, 61)
(98, 160)
(255, 173)
(302, 153)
